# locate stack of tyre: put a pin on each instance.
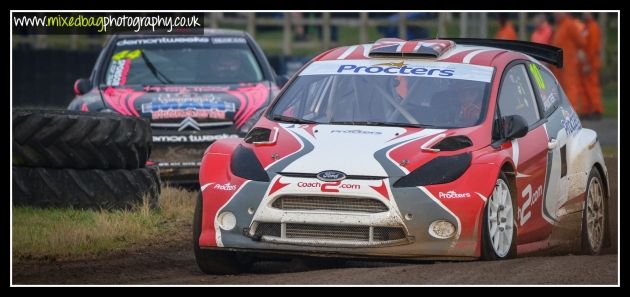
(83, 160)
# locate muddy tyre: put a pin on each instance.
(85, 189)
(79, 140)
(214, 261)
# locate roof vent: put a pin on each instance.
(394, 47)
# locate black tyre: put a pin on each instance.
(499, 223)
(84, 189)
(594, 215)
(213, 261)
(79, 140)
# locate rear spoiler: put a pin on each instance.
(542, 52)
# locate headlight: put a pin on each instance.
(245, 164)
(442, 229)
(227, 221)
(441, 170)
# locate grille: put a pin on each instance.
(388, 233)
(329, 203)
(269, 229)
(356, 233)
(329, 232)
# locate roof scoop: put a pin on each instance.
(394, 47)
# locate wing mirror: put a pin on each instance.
(514, 126)
(82, 86)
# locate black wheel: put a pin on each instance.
(85, 189)
(594, 215)
(213, 261)
(499, 223)
(79, 140)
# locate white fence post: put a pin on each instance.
(442, 25)
(522, 25)
(251, 24)
(603, 27)
(483, 25)
(326, 30)
(402, 26)
(463, 24)
(287, 35)
(363, 25)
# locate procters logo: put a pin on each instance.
(453, 195)
(419, 71)
(331, 175)
(225, 187)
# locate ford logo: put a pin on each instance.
(331, 175)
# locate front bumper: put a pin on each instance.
(401, 230)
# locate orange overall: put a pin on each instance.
(590, 78)
(569, 38)
(506, 32)
(542, 34)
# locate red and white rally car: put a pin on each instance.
(432, 149)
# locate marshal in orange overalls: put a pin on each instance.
(568, 37)
(506, 32)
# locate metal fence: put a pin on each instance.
(471, 24)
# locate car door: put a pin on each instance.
(549, 96)
(529, 153)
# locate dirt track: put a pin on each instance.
(173, 263)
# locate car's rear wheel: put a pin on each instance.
(213, 261)
(594, 215)
(499, 225)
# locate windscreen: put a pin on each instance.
(429, 94)
(182, 60)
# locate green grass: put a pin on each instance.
(56, 234)
(610, 99)
(610, 151)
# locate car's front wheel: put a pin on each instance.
(594, 215)
(499, 225)
(213, 261)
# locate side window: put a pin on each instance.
(517, 97)
(547, 88)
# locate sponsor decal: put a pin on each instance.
(162, 40)
(420, 71)
(549, 100)
(570, 121)
(192, 138)
(533, 68)
(186, 89)
(127, 54)
(181, 107)
(331, 175)
(224, 187)
(178, 114)
(453, 195)
(117, 72)
(425, 69)
(530, 198)
(329, 186)
(356, 131)
(222, 40)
